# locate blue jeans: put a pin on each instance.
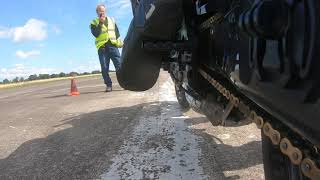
(105, 54)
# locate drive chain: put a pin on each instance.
(296, 155)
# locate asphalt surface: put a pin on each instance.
(45, 134)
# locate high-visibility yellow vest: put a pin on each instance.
(107, 33)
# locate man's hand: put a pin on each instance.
(102, 18)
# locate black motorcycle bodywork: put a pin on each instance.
(269, 78)
(265, 51)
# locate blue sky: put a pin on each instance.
(45, 36)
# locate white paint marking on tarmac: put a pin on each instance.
(180, 117)
(160, 147)
(224, 136)
(252, 136)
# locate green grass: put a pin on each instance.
(21, 84)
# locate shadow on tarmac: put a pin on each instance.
(82, 147)
(82, 93)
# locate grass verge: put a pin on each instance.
(21, 84)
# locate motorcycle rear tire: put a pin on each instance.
(139, 69)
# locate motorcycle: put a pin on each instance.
(237, 59)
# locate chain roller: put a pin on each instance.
(292, 152)
(310, 169)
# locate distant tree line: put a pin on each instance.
(46, 76)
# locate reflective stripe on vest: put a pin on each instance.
(106, 33)
(111, 31)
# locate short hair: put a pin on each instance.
(99, 6)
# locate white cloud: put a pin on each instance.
(33, 30)
(20, 70)
(27, 54)
(3, 70)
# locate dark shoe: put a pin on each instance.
(108, 89)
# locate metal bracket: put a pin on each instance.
(226, 113)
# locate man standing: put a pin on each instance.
(106, 32)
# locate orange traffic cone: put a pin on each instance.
(74, 90)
